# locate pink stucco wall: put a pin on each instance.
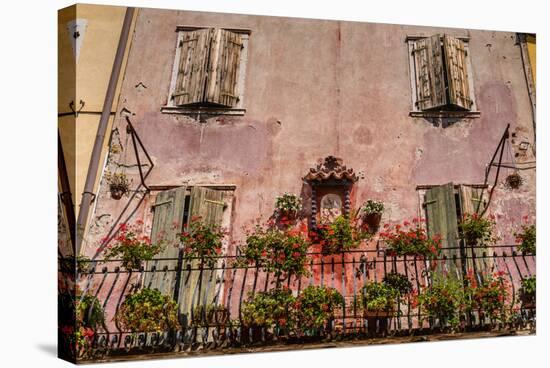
(316, 88)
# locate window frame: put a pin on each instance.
(205, 109)
(442, 113)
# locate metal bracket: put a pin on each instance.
(76, 112)
(92, 194)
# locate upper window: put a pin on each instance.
(441, 76)
(208, 73)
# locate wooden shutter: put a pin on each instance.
(441, 217)
(429, 74)
(457, 74)
(192, 70)
(200, 289)
(167, 222)
(469, 200)
(223, 68)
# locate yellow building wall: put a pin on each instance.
(532, 51)
(86, 80)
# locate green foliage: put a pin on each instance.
(477, 230)
(529, 286)
(527, 239)
(283, 252)
(89, 312)
(372, 207)
(268, 309)
(147, 310)
(314, 307)
(202, 241)
(132, 248)
(341, 235)
(378, 297)
(79, 319)
(399, 282)
(445, 300)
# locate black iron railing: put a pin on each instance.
(228, 285)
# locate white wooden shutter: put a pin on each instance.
(192, 70)
(429, 74)
(457, 74)
(223, 68)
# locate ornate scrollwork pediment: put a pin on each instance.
(331, 168)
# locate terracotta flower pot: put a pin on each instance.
(372, 222)
(528, 301)
(378, 321)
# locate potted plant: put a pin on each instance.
(314, 309)
(476, 230)
(132, 248)
(119, 184)
(341, 235)
(528, 292)
(443, 301)
(410, 238)
(80, 317)
(489, 296)
(398, 282)
(514, 180)
(372, 214)
(377, 299)
(148, 310)
(202, 241)
(269, 310)
(282, 252)
(527, 239)
(287, 206)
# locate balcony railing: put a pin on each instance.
(227, 286)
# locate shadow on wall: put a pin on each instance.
(443, 122)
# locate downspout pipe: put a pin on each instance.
(88, 195)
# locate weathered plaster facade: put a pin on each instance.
(315, 88)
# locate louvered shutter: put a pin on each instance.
(429, 74)
(192, 69)
(167, 223)
(457, 74)
(441, 217)
(199, 288)
(470, 199)
(223, 68)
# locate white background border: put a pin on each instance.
(28, 181)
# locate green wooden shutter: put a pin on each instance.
(167, 222)
(209, 205)
(430, 79)
(457, 73)
(225, 56)
(441, 218)
(192, 70)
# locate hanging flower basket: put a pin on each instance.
(119, 184)
(372, 215)
(514, 181)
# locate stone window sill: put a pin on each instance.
(444, 114)
(202, 110)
